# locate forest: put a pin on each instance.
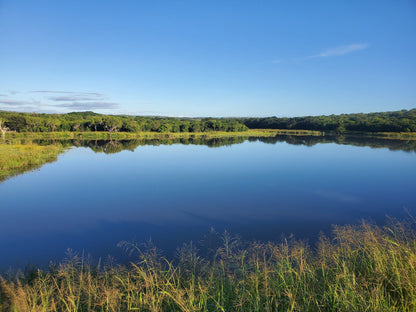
(90, 121)
(397, 121)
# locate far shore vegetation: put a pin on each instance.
(358, 268)
(401, 123)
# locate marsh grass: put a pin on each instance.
(18, 158)
(359, 268)
(154, 135)
(208, 135)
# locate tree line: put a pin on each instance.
(90, 121)
(397, 121)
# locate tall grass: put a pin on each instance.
(156, 135)
(359, 268)
(17, 158)
(92, 135)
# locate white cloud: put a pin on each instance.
(342, 50)
(74, 98)
(336, 51)
(88, 105)
(57, 100)
(12, 102)
(70, 92)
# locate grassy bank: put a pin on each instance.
(18, 158)
(212, 134)
(360, 268)
(150, 135)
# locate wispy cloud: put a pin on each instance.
(29, 108)
(60, 100)
(21, 105)
(13, 102)
(74, 98)
(69, 92)
(336, 51)
(88, 105)
(342, 50)
(146, 112)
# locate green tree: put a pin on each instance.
(53, 122)
(163, 128)
(112, 124)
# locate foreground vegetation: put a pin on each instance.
(360, 268)
(18, 158)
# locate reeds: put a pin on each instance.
(17, 158)
(359, 268)
(97, 135)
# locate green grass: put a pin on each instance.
(18, 158)
(146, 135)
(360, 268)
(210, 134)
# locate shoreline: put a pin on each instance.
(208, 134)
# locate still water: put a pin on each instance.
(89, 200)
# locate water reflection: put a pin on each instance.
(116, 146)
(391, 144)
(96, 195)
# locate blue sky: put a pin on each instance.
(208, 58)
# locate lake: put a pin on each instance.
(174, 191)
